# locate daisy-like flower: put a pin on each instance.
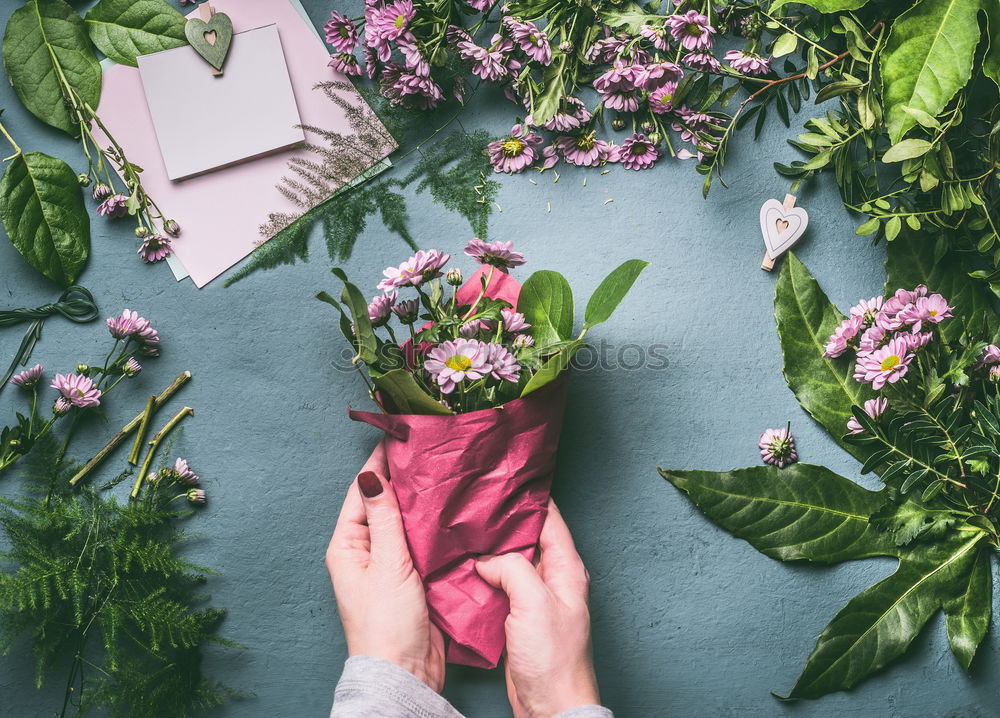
(748, 63)
(380, 308)
(503, 365)
(124, 325)
(391, 20)
(114, 206)
(888, 316)
(842, 336)
(184, 473)
(481, 5)
(702, 60)
(487, 64)
(470, 329)
(132, 367)
(777, 447)
(29, 377)
(621, 77)
(496, 254)
(532, 41)
(422, 267)
(638, 153)
(573, 114)
(989, 356)
(454, 361)
(523, 341)
(411, 53)
(888, 364)
(661, 100)
(871, 339)
(657, 74)
(584, 150)
(656, 34)
(515, 153)
(605, 50)
(407, 311)
(691, 30)
(867, 309)
(622, 100)
(874, 408)
(345, 63)
(513, 321)
(197, 496)
(916, 340)
(933, 309)
(154, 247)
(341, 33)
(77, 389)
(406, 88)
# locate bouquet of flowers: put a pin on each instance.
(472, 403)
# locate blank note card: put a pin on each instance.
(204, 122)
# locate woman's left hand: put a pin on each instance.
(380, 596)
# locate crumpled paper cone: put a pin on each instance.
(471, 485)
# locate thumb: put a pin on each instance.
(513, 574)
(385, 524)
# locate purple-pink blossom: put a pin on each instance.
(868, 309)
(657, 74)
(407, 311)
(777, 447)
(197, 496)
(661, 100)
(638, 153)
(132, 367)
(621, 77)
(692, 30)
(843, 335)
(583, 150)
(573, 114)
(183, 472)
(114, 206)
(29, 377)
(532, 41)
(605, 50)
(513, 321)
(874, 408)
(77, 389)
(515, 153)
(989, 356)
(748, 63)
(656, 34)
(498, 254)
(932, 309)
(345, 63)
(452, 362)
(124, 325)
(380, 308)
(702, 60)
(871, 339)
(885, 365)
(503, 365)
(487, 64)
(341, 33)
(154, 248)
(422, 267)
(402, 86)
(391, 20)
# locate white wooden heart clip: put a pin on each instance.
(782, 226)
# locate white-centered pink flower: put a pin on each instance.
(502, 364)
(498, 254)
(692, 30)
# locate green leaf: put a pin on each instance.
(407, 396)
(553, 366)
(43, 37)
(546, 105)
(125, 29)
(911, 262)
(991, 59)
(611, 291)
(546, 301)
(967, 615)
(824, 387)
(878, 625)
(367, 346)
(784, 45)
(630, 17)
(801, 512)
(927, 59)
(907, 149)
(911, 520)
(826, 6)
(43, 212)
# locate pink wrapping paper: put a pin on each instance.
(471, 485)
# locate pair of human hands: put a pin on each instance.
(383, 606)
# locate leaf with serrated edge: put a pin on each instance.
(968, 614)
(801, 512)
(880, 623)
(824, 387)
(125, 29)
(927, 59)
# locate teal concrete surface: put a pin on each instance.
(688, 622)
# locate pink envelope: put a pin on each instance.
(471, 485)
(221, 213)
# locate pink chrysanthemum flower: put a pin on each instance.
(403, 87)
(154, 248)
(132, 367)
(513, 321)
(702, 60)
(777, 447)
(503, 365)
(656, 34)
(867, 309)
(584, 150)
(371, 62)
(915, 340)
(380, 308)
(414, 58)
(622, 100)
(345, 63)
(486, 64)
(422, 267)
(391, 20)
(661, 100)
(621, 77)
(197, 496)
(454, 361)
(532, 41)
(114, 206)
(989, 356)
(123, 325)
(523, 341)
(842, 336)
(407, 311)
(61, 406)
(748, 63)
(638, 153)
(574, 114)
(497, 254)
(605, 50)
(874, 408)
(470, 329)
(29, 377)
(77, 389)
(691, 30)
(184, 473)
(657, 74)
(871, 339)
(888, 316)
(341, 33)
(888, 364)
(101, 191)
(933, 309)
(481, 5)
(515, 153)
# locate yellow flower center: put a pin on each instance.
(400, 21)
(512, 147)
(693, 29)
(458, 363)
(666, 98)
(890, 362)
(585, 142)
(638, 149)
(934, 312)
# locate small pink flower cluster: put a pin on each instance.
(154, 246)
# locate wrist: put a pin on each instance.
(572, 692)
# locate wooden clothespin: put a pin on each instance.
(211, 36)
(782, 225)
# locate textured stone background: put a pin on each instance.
(688, 621)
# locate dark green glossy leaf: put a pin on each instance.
(406, 395)
(801, 512)
(825, 6)
(553, 366)
(968, 614)
(125, 29)
(42, 38)
(546, 301)
(43, 212)
(612, 291)
(366, 345)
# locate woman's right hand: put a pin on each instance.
(549, 665)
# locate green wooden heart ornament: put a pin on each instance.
(211, 39)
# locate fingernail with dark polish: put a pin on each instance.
(369, 484)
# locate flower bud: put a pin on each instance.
(454, 277)
(172, 228)
(82, 368)
(654, 137)
(83, 179)
(132, 367)
(61, 406)
(141, 232)
(618, 124)
(566, 46)
(648, 127)
(196, 496)
(995, 373)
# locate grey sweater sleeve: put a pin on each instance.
(374, 688)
